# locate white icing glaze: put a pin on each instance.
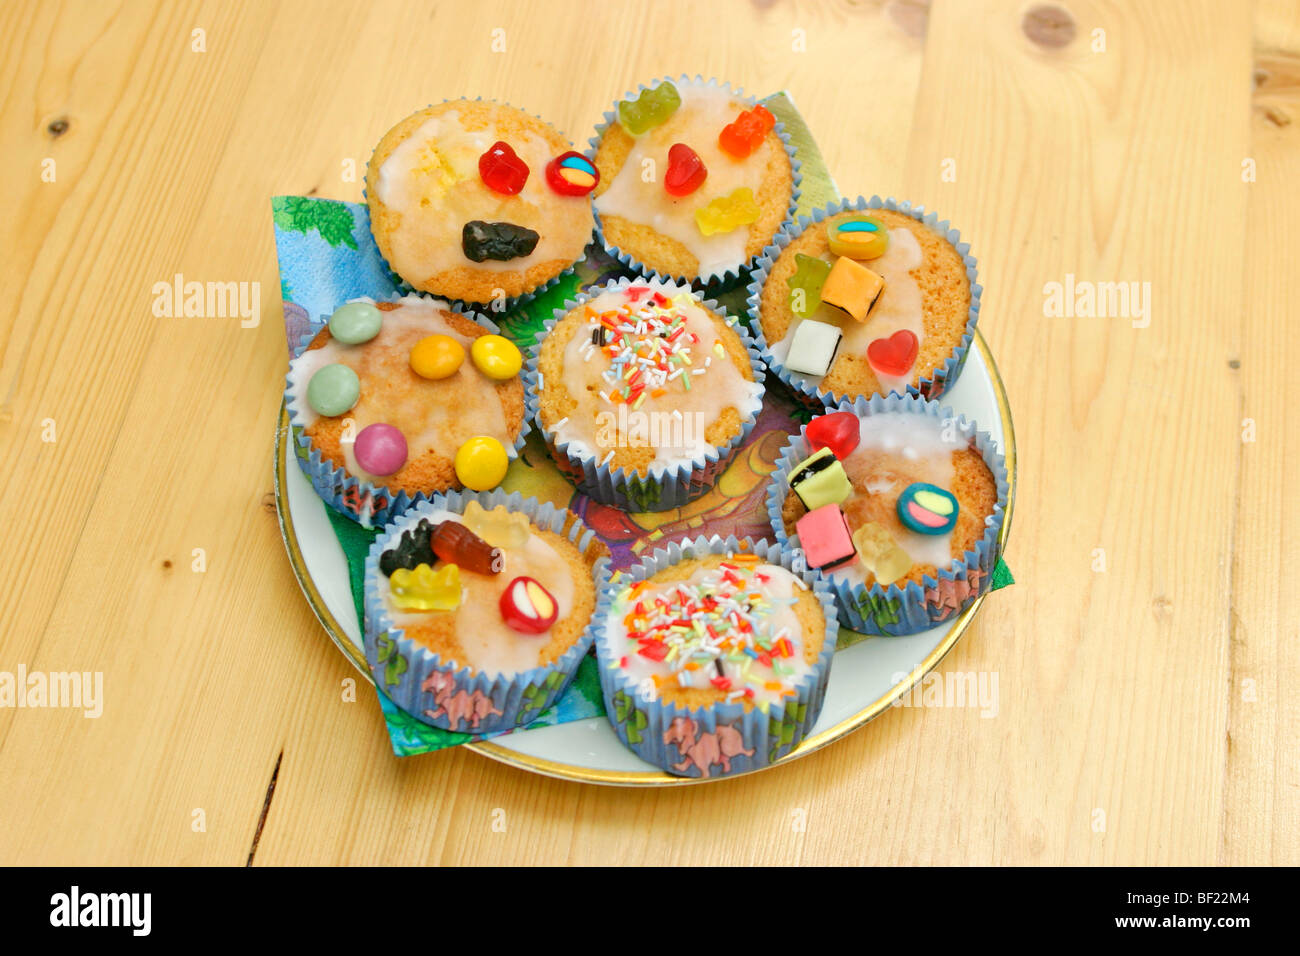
(432, 180)
(425, 422)
(680, 416)
(492, 647)
(705, 110)
(781, 621)
(899, 308)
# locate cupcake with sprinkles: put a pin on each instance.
(695, 179)
(864, 298)
(898, 505)
(391, 402)
(714, 656)
(478, 608)
(479, 201)
(644, 392)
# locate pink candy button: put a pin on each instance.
(380, 449)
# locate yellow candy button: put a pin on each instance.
(481, 463)
(496, 357)
(436, 356)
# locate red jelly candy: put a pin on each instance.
(838, 431)
(572, 174)
(740, 138)
(895, 355)
(528, 607)
(501, 170)
(686, 172)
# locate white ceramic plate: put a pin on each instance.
(862, 681)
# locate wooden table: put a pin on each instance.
(1147, 660)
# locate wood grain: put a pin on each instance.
(1147, 712)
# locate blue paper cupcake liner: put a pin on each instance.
(717, 284)
(727, 738)
(504, 305)
(663, 487)
(812, 394)
(896, 610)
(366, 503)
(444, 694)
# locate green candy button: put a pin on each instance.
(355, 323)
(333, 390)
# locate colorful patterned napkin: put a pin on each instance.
(327, 256)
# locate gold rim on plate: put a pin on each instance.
(655, 778)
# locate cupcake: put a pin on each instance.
(393, 401)
(898, 504)
(478, 201)
(866, 298)
(644, 392)
(478, 609)
(714, 656)
(695, 179)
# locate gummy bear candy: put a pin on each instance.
(880, 553)
(686, 171)
(650, 109)
(412, 548)
(498, 527)
(572, 174)
(425, 589)
(728, 212)
(858, 237)
(806, 284)
(456, 544)
(502, 170)
(740, 138)
(496, 240)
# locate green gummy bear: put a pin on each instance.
(650, 109)
(809, 276)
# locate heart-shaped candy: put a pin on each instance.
(895, 355)
(686, 172)
(838, 431)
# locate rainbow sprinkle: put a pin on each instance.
(648, 346)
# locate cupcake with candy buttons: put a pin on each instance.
(695, 179)
(898, 505)
(644, 392)
(393, 401)
(864, 298)
(714, 656)
(478, 201)
(478, 608)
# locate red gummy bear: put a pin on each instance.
(838, 431)
(895, 355)
(742, 137)
(686, 171)
(501, 170)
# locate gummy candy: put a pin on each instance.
(572, 174)
(858, 237)
(650, 109)
(927, 509)
(813, 347)
(456, 544)
(852, 288)
(806, 284)
(824, 537)
(380, 449)
(502, 170)
(498, 527)
(838, 431)
(740, 138)
(496, 357)
(436, 356)
(424, 589)
(496, 240)
(819, 480)
(481, 463)
(686, 171)
(528, 607)
(895, 355)
(728, 212)
(880, 553)
(413, 548)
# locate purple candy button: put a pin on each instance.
(380, 449)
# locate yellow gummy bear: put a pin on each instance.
(728, 212)
(425, 589)
(500, 528)
(880, 553)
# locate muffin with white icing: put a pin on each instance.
(478, 201)
(694, 179)
(644, 392)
